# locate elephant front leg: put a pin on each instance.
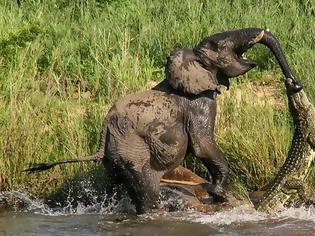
(201, 137)
(216, 163)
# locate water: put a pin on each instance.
(97, 219)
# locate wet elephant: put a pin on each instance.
(147, 134)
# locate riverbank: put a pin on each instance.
(63, 63)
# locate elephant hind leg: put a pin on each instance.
(131, 167)
(128, 156)
(142, 186)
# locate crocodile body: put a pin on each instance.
(289, 183)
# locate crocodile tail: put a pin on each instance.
(98, 156)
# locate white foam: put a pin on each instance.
(301, 213)
(241, 214)
(26, 199)
(244, 213)
(37, 206)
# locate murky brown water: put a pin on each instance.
(240, 221)
(182, 224)
(38, 219)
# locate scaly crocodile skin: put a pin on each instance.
(290, 180)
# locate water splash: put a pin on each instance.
(242, 213)
(98, 216)
(105, 205)
(247, 214)
(300, 213)
(22, 201)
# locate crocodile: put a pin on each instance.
(289, 184)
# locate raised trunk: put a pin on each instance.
(273, 44)
(236, 42)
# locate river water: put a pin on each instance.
(96, 219)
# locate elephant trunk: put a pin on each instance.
(225, 50)
(246, 38)
(273, 44)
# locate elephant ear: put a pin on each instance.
(185, 73)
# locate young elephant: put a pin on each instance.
(149, 133)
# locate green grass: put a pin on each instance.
(63, 63)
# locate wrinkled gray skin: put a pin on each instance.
(147, 134)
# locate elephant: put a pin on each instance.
(147, 134)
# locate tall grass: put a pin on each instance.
(63, 63)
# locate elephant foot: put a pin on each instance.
(220, 194)
(216, 190)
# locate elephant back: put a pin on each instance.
(185, 73)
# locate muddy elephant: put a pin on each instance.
(147, 134)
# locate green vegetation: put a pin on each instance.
(64, 62)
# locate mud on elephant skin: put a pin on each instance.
(149, 133)
(219, 57)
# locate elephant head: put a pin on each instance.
(219, 57)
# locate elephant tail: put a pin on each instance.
(46, 166)
(98, 156)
